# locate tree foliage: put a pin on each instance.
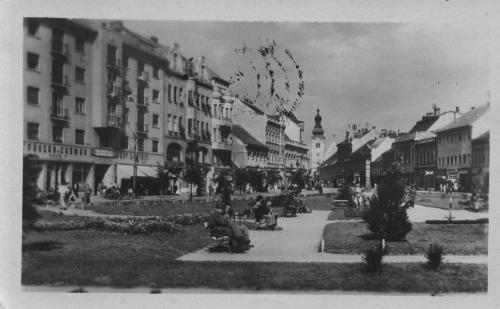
(385, 216)
(31, 170)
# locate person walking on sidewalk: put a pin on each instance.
(86, 196)
(63, 190)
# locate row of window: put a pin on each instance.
(33, 97)
(57, 133)
(453, 138)
(58, 137)
(57, 35)
(141, 66)
(455, 160)
(33, 63)
(425, 158)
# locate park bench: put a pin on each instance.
(219, 242)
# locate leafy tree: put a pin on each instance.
(385, 218)
(256, 179)
(163, 177)
(192, 175)
(272, 178)
(31, 170)
(345, 192)
(240, 178)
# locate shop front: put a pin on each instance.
(425, 178)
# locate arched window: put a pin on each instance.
(174, 152)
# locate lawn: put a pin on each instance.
(314, 202)
(338, 214)
(90, 258)
(461, 239)
(440, 200)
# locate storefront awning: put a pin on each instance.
(146, 171)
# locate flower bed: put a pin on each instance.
(124, 225)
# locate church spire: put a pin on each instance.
(318, 129)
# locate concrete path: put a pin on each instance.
(297, 242)
(300, 239)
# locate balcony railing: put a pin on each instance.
(113, 121)
(114, 63)
(114, 90)
(142, 128)
(144, 102)
(57, 113)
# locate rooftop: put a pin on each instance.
(467, 119)
(247, 138)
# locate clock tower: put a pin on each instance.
(317, 144)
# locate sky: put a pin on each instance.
(385, 74)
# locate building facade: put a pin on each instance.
(454, 146)
(104, 104)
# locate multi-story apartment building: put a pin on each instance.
(454, 146)
(248, 151)
(282, 135)
(222, 137)
(57, 102)
(104, 103)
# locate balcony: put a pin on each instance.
(143, 76)
(222, 145)
(144, 103)
(114, 90)
(113, 121)
(142, 128)
(61, 50)
(59, 114)
(114, 64)
(104, 152)
(193, 136)
(61, 83)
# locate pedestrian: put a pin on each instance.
(210, 190)
(130, 192)
(86, 196)
(63, 190)
(72, 197)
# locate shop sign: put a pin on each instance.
(429, 173)
(463, 171)
(452, 174)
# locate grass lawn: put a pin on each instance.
(436, 200)
(314, 202)
(461, 239)
(338, 214)
(90, 258)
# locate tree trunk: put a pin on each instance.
(190, 191)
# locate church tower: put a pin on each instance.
(317, 144)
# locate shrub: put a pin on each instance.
(125, 225)
(385, 216)
(373, 259)
(345, 193)
(434, 256)
(31, 169)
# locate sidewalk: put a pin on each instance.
(300, 239)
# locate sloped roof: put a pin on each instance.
(247, 138)
(483, 137)
(252, 107)
(424, 124)
(331, 160)
(466, 119)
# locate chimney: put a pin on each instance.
(154, 39)
(457, 109)
(436, 109)
(473, 107)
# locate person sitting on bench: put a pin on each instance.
(219, 224)
(263, 212)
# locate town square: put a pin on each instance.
(165, 156)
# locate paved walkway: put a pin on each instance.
(300, 239)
